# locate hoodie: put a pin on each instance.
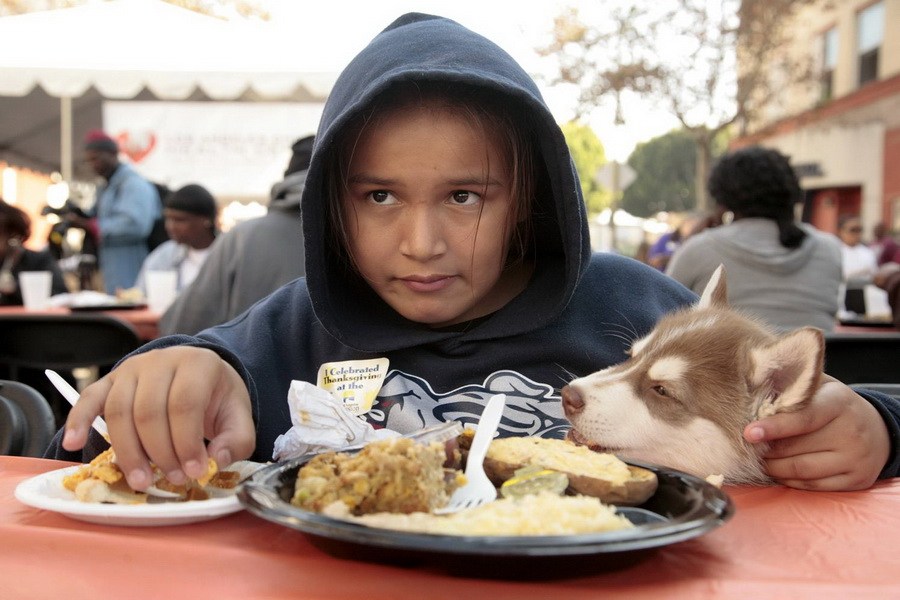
(785, 287)
(579, 312)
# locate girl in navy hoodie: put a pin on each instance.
(447, 250)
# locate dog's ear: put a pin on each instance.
(715, 293)
(786, 374)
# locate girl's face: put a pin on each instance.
(426, 207)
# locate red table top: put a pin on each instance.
(781, 543)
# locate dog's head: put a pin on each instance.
(688, 389)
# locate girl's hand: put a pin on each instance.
(838, 442)
(159, 406)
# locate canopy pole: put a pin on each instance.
(65, 137)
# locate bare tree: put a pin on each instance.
(711, 63)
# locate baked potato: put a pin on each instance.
(590, 473)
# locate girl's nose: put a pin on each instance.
(423, 234)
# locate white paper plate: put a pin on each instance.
(46, 492)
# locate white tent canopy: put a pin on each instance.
(131, 48)
(124, 46)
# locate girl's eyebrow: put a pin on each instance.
(366, 179)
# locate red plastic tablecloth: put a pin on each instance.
(782, 543)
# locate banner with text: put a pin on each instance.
(237, 150)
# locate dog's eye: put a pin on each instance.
(661, 390)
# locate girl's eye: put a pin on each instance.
(382, 197)
(465, 198)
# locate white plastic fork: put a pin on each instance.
(478, 489)
(72, 395)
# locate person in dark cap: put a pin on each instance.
(122, 216)
(191, 214)
(251, 260)
(784, 272)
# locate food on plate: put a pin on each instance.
(102, 480)
(596, 474)
(396, 475)
(544, 513)
(533, 479)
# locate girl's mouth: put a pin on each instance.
(427, 284)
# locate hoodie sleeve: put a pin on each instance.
(889, 409)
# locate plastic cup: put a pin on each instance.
(36, 287)
(162, 287)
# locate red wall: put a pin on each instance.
(891, 175)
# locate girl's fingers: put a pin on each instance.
(89, 406)
(187, 405)
(151, 419)
(130, 455)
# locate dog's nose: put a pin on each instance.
(571, 400)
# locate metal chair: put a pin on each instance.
(862, 357)
(30, 343)
(27, 423)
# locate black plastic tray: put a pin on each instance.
(682, 508)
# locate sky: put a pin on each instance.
(341, 28)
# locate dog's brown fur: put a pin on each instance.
(683, 398)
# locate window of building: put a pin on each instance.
(869, 35)
(829, 56)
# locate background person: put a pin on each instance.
(888, 279)
(251, 260)
(15, 229)
(859, 260)
(125, 210)
(191, 216)
(786, 273)
(660, 252)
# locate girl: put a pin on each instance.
(445, 233)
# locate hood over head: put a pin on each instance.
(425, 48)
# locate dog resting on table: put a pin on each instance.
(690, 387)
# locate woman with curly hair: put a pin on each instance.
(786, 273)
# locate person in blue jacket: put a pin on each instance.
(127, 207)
(445, 232)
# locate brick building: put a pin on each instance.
(842, 128)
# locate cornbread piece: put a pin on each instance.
(102, 468)
(544, 513)
(396, 475)
(597, 474)
(102, 480)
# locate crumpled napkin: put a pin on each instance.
(322, 424)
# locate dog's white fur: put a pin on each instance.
(690, 387)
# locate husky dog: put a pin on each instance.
(690, 387)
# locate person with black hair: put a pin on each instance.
(15, 228)
(251, 260)
(786, 273)
(191, 214)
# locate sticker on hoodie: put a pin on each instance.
(355, 383)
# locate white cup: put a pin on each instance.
(162, 287)
(36, 287)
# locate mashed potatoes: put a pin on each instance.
(544, 513)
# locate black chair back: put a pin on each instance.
(64, 341)
(863, 357)
(27, 423)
